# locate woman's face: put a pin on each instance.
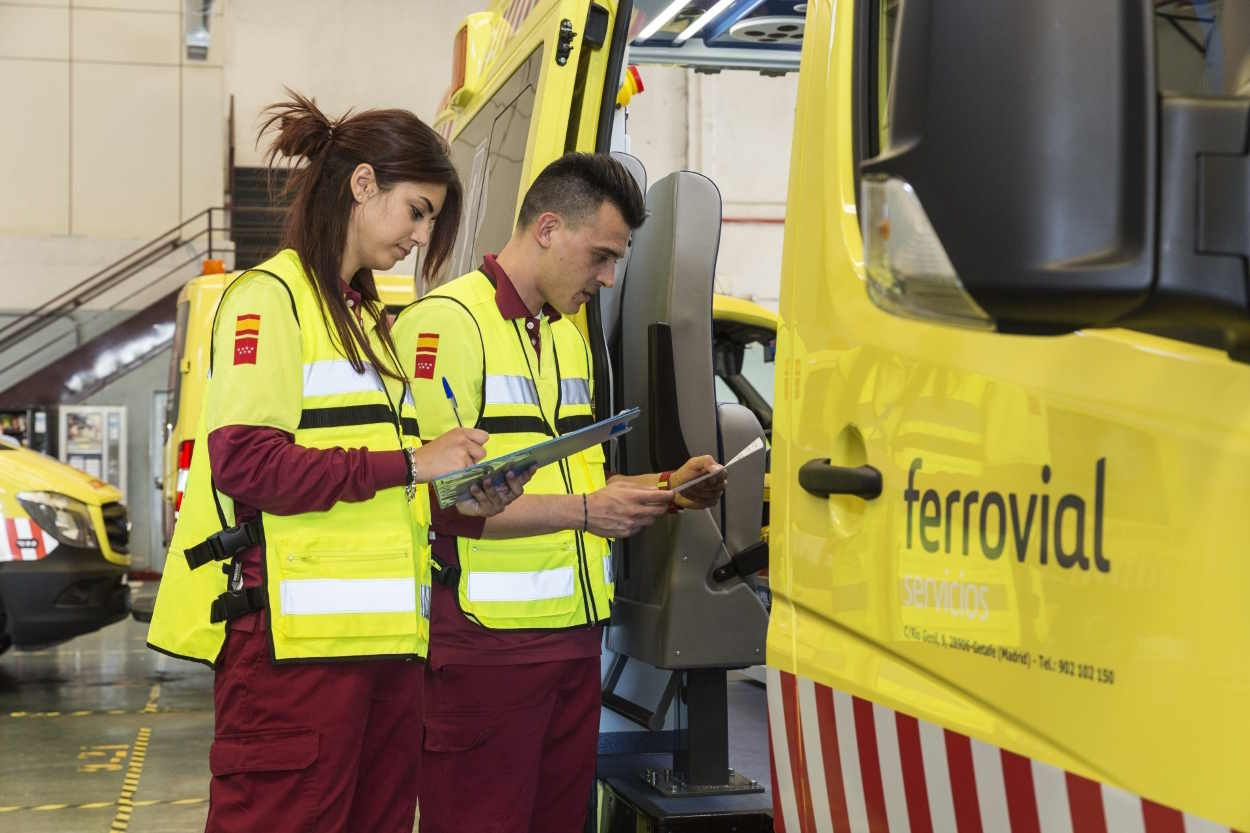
(389, 224)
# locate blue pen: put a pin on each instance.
(451, 397)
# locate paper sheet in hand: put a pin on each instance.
(752, 447)
(453, 488)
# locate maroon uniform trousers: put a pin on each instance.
(329, 747)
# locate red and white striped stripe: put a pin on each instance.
(843, 764)
(21, 539)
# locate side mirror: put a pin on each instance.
(1036, 182)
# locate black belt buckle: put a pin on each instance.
(235, 539)
(221, 545)
(445, 575)
(235, 603)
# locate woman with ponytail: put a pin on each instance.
(299, 567)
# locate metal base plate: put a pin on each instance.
(671, 784)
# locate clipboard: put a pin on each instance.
(452, 488)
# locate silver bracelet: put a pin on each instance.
(410, 488)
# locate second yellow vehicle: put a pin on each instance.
(64, 540)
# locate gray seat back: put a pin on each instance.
(669, 611)
(610, 298)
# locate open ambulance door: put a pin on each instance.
(529, 83)
(528, 80)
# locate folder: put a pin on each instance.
(452, 488)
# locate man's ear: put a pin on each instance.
(545, 227)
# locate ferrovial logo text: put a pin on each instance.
(1037, 527)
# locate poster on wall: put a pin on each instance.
(93, 440)
(13, 425)
(84, 433)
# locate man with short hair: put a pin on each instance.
(513, 678)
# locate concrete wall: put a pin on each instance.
(367, 53)
(121, 136)
(736, 128)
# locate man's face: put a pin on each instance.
(582, 258)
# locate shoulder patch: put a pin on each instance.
(246, 338)
(427, 355)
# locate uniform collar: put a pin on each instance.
(507, 298)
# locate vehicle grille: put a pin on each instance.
(117, 526)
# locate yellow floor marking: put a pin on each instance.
(130, 785)
(153, 696)
(125, 807)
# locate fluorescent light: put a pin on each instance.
(661, 19)
(706, 18)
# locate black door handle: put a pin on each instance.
(822, 479)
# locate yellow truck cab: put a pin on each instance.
(1009, 440)
(63, 550)
(188, 371)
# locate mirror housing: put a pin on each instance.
(1031, 149)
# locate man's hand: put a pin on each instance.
(621, 508)
(702, 495)
(490, 498)
(453, 451)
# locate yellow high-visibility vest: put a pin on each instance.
(348, 583)
(559, 580)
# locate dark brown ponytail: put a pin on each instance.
(321, 155)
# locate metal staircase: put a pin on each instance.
(89, 335)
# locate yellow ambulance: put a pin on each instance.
(1009, 441)
(64, 540)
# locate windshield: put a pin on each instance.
(752, 386)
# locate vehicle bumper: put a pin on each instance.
(70, 592)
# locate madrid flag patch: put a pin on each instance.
(427, 354)
(246, 336)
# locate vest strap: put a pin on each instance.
(225, 544)
(569, 424)
(235, 603)
(448, 576)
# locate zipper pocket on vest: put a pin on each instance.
(336, 560)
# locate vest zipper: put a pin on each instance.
(583, 570)
(592, 615)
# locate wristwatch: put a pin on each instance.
(410, 487)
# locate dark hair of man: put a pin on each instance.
(576, 184)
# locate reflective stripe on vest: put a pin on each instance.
(337, 377)
(304, 597)
(520, 587)
(509, 390)
(574, 392)
(559, 580)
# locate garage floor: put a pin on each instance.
(102, 734)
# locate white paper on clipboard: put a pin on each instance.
(452, 488)
(755, 445)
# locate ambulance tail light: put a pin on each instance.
(184, 469)
(909, 272)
